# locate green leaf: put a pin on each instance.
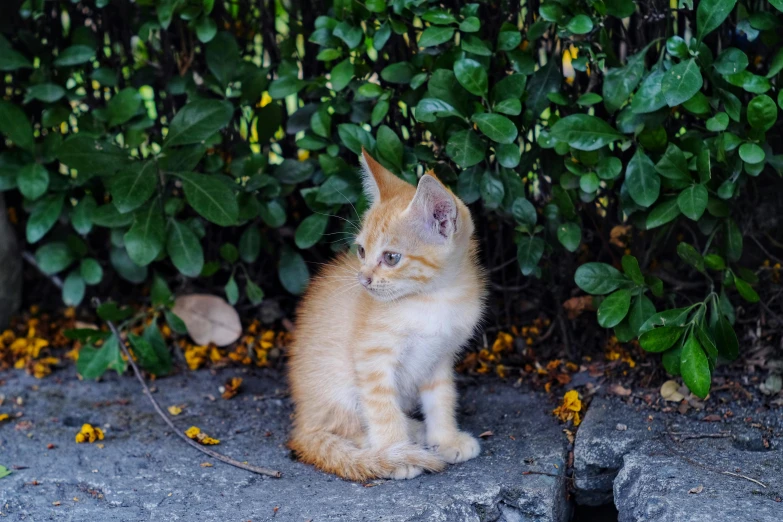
(160, 293)
(146, 237)
(210, 197)
(293, 172)
(91, 271)
(715, 262)
(53, 257)
(524, 212)
(176, 324)
(681, 82)
(718, 123)
(229, 252)
(511, 107)
(694, 367)
(108, 216)
(599, 278)
(4, 472)
(232, 291)
(254, 292)
(390, 147)
(472, 76)
(123, 106)
(642, 180)
(496, 127)
(151, 350)
(474, 45)
(341, 75)
(620, 8)
(660, 339)
(589, 183)
(44, 216)
(184, 249)
(197, 121)
(509, 40)
(91, 156)
(529, 252)
(73, 289)
(732, 241)
(250, 244)
(470, 24)
(690, 255)
(614, 308)
(125, 266)
(588, 99)
(292, 271)
(762, 112)
(206, 29)
(649, 97)
(751, 153)
(109, 311)
(74, 55)
(693, 201)
(570, 235)
(492, 190)
(311, 230)
(510, 87)
(354, 137)
(285, 86)
(15, 124)
(466, 148)
(93, 362)
(45, 92)
(584, 132)
(726, 339)
(132, 187)
(33, 180)
(619, 83)
(351, 35)
(632, 270)
(580, 24)
(731, 61)
(11, 60)
(400, 72)
(641, 310)
(432, 36)
(609, 168)
(508, 155)
(709, 15)
(776, 65)
(746, 291)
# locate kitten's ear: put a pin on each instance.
(378, 182)
(434, 210)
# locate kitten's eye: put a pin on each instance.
(361, 251)
(391, 258)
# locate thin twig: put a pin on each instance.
(746, 478)
(167, 420)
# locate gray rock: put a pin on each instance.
(143, 472)
(690, 484)
(10, 269)
(653, 469)
(600, 446)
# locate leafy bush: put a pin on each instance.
(220, 140)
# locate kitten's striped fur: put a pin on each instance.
(364, 358)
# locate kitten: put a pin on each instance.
(378, 332)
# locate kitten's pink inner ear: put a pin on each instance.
(435, 209)
(379, 183)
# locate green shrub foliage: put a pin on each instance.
(215, 138)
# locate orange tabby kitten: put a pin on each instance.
(378, 333)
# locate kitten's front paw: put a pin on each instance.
(458, 448)
(406, 471)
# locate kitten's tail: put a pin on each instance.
(334, 454)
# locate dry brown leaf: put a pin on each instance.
(486, 434)
(620, 390)
(209, 319)
(712, 418)
(618, 235)
(670, 391)
(576, 305)
(206, 464)
(695, 491)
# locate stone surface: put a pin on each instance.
(650, 464)
(143, 472)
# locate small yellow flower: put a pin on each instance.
(503, 343)
(303, 155)
(192, 432)
(89, 434)
(196, 434)
(570, 407)
(174, 410)
(4, 416)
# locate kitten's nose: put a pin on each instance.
(365, 280)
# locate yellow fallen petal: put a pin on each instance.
(174, 410)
